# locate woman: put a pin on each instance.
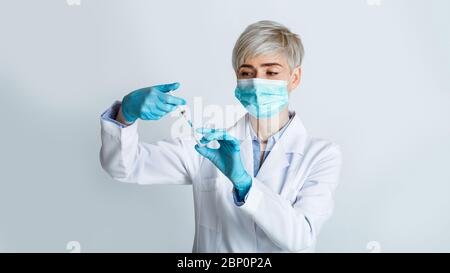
(269, 186)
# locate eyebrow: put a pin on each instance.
(271, 64)
(262, 65)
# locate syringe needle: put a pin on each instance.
(182, 112)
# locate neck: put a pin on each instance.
(265, 128)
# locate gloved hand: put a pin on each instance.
(150, 103)
(226, 158)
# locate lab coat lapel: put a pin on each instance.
(275, 161)
(292, 141)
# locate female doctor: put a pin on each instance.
(269, 186)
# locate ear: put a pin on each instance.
(295, 79)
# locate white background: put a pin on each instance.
(375, 81)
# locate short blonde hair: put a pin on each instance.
(265, 37)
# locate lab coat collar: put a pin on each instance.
(293, 138)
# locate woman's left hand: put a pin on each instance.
(226, 158)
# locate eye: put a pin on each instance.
(245, 74)
(271, 73)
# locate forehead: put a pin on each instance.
(261, 60)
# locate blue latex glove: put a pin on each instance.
(226, 158)
(150, 103)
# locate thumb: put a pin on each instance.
(204, 151)
(167, 87)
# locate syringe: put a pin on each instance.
(181, 109)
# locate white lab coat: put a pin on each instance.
(290, 198)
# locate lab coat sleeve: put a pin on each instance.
(294, 227)
(127, 159)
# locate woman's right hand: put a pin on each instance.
(150, 103)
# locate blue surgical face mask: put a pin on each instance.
(261, 97)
